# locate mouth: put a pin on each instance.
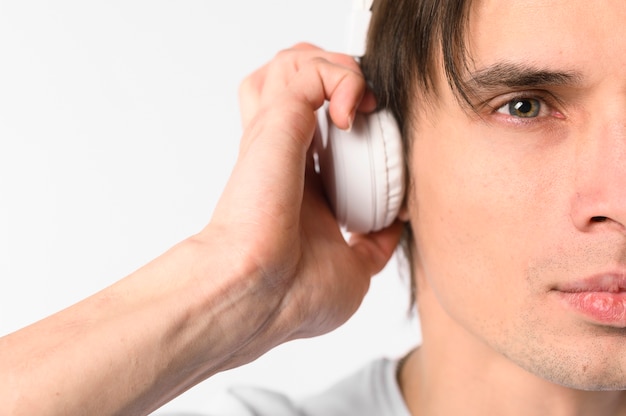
(600, 298)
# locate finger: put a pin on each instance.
(368, 102)
(345, 92)
(274, 146)
(374, 250)
(263, 85)
(289, 62)
(292, 111)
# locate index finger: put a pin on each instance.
(273, 152)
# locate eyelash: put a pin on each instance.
(546, 103)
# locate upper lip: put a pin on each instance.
(612, 282)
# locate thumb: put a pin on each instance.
(375, 249)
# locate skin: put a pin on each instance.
(507, 210)
(270, 266)
(503, 211)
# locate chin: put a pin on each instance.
(581, 372)
(591, 384)
(581, 360)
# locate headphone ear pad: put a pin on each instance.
(362, 170)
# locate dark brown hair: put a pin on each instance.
(407, 42)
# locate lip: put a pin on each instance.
(600, 298)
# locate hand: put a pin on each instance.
(273, 210)
(272, 265)
(263, 86)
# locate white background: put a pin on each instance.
(118, 128)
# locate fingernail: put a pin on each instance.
(350, 122)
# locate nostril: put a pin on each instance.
(598, 219)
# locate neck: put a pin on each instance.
(453, 373)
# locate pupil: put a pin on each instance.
(523, 107)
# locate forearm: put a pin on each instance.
(137, 344)
(271, 266)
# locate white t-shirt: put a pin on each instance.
(372, 391)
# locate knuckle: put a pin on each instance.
(250, 85)
(319, 60)
(284, 54)
(244, 86)
(305, 46)
(349, 62)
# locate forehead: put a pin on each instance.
(582, 33)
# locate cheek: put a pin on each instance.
(473, 204)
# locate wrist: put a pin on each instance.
(232, 309)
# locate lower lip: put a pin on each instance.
(602, 307)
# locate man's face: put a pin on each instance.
(519, 208)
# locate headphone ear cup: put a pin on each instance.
(362, 170)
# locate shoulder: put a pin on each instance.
(371, 391)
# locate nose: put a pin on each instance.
(599, 200)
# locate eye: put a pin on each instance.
(522, 108)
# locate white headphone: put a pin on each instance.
(362, 170)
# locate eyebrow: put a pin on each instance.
(513, 75)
